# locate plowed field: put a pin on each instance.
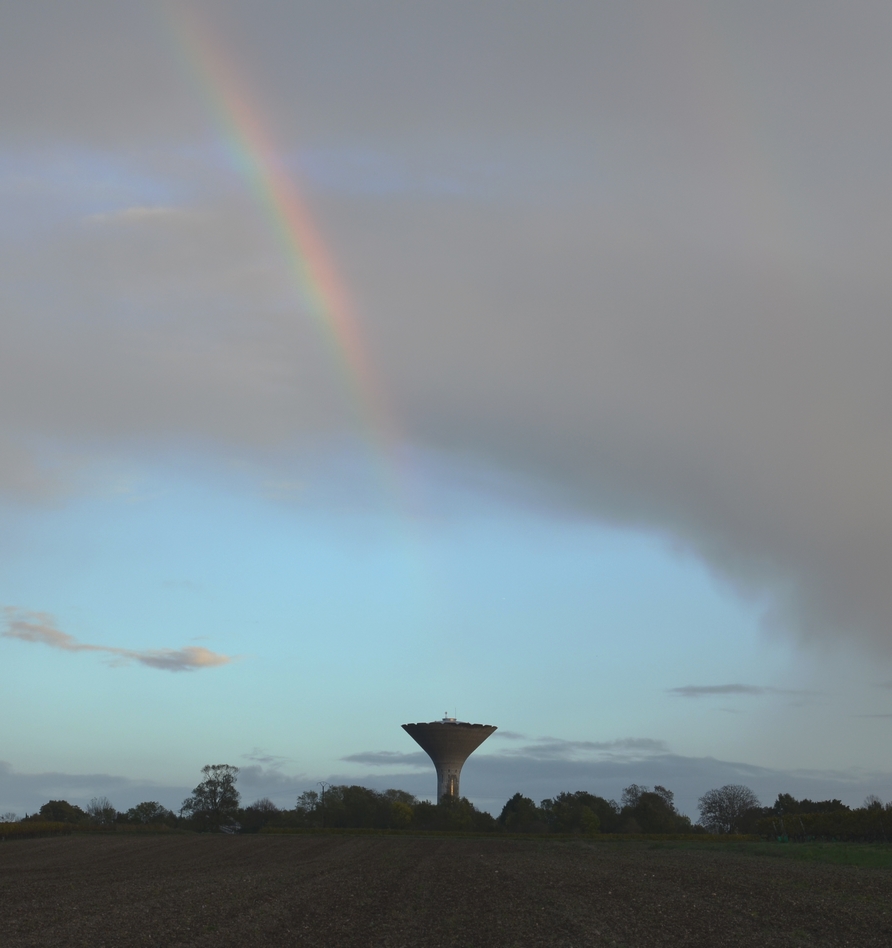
(399, 891)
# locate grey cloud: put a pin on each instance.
(257, 781)
(681, 325)
(388, 759)
(543, 748)
(491, 779)
(554, 748)
(262, 758)
(488, 779)
(26, 792)
(136, 215)
(700, 691)
(40, 627)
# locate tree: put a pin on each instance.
(150, 811)
(307, 809)
(401, 814)
(214, 802)
(667, 796)
(101, 811)
(631, 795)
(59, 811)
(722, 810)
(452, 815)
(651, 811)
(354, 806)
(654, 814)
(521, 815)
(9, 817)
(579, 812)
(788, 805)
(260, 813)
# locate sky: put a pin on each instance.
(361, 362)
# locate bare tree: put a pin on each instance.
(632, 794)
(265, 805)
(101, 811)
(261, 812)
(8, 817)
(721, 810)
(667, 796)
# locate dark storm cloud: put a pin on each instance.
(598, 248)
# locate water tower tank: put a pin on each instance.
(449, 743)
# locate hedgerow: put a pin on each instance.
(30, 830)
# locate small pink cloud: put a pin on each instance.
(40, 627)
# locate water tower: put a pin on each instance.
(449, 743)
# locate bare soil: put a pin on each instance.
(393, 891)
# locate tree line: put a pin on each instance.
(215, 806)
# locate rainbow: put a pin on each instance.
(274, 186)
